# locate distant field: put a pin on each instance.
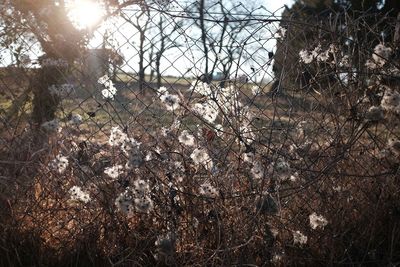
(15, 98)
(169, 80)
(133, 109)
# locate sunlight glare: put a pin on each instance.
(85, 13)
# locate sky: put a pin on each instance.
(179, 60)
(276, 4)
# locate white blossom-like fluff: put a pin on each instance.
(248, 157)
(306, 56)
(162, 90)
(299, 238)
(103, 79)
(171, 102)
(76, 119)
(131, 148)
(201, 157)
(317, 53)
(394, 146)
(247, 133)
(114, 171)
(280, 33)
(142, 201)
(375, 113)
(117, 137)
(257, 170)
(136, 199)
(207, 190)
(78, 194)
(370, 64)
(219, 129)
(60, 163)
(391, 100)
(256, 90)
(317, 50)
(345, 62)
(109, 91)
(282, 166)
(381, 54)
(51, 126)
(208, 110)
(186, 138)
(323, 56)
(62, 90)
(317, 221)
(201, 88)
(294, 177)
(130, 145)
(144, 204)
(124, 202)
(277, 258)
(228, 100)
(282, 169)
(142, 187)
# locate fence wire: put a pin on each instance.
(192, 135)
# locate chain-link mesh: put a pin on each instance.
(193, 135)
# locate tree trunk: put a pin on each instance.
(158, 70)
(45, 104)
(141, 63)
(206, 75)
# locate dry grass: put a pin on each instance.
(209, 232)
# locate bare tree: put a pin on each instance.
(141, 22)
(164, 43)
(222, 45)
(231, 41)
(47, 23)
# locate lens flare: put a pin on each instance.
(85, 14)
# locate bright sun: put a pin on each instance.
(85, 13)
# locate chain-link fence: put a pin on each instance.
(203, 135)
